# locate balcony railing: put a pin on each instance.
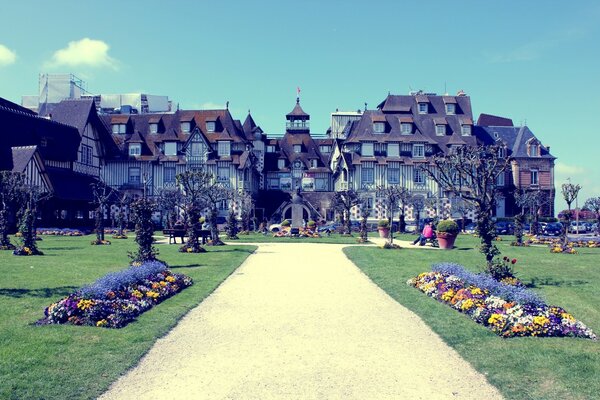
(291, 126)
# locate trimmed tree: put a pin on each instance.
(471, 173)
(102, 195)
(193, 185)
(232, 228)
(365, 211)
(569, 192)
(418, 204)
(169, 202)
(343, 202)
(141, 214)
(246, 204)
(392, 195)
(32, 196)
(11, 194)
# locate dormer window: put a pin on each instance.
(185, 127)
(270, 148)
(406, 128)
(170, 148)
(281, 163)
(297, 148)
(379, 127)
(325, 148)
(367, 150)
(224, 148)
(119, 129)
(135, 149)
(534, 150)
(450, 108)
(501, 152)
(423, 108)
(465, 130)
(153, 128)
(440, 130)
(210, 126)
(313, 163)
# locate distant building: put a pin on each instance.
(339, 121)
(53, 88)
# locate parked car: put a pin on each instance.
(471, 228)
(552, 229)
(504, 228)
(576, 227)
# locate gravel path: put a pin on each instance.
(300, 321)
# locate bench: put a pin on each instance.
(175, 233)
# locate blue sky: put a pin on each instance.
(535, 62)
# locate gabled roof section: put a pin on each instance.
(21, 156)
(15, 107)
(516, 139)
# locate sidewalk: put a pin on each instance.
(300, 321)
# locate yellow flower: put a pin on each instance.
(85, 304)
(137, 293)
(151, 294)
(467, 304)
(447, 296)
(170, 279)
(102, 322)
(495, 318)
(163, 283)
(541, 320)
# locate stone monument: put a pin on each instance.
(297, 210)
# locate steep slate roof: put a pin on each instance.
(55, 141)
(226, 128)
(396, 109)
(21, 156)
(78, 113)
(493, 120)
(515, 138)
(15, 107)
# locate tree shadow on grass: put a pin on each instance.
(63, 248)
(230, 250)
(61, 291)
(185, 266)
(539, 282)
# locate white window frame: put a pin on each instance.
(274, 183)
(223, 174)
(223, 148)
(418, 150)
(325, 148)
(418, 176)
(186, 126)
(465, 130)
(450, 108)
(169, 149)
(406, 128)
(313, 163)
(534, 150)
(87, 154)
(297, 148)
(170, 176)
(135, 149)
(281, 163)
(270, 148)
(379, 127)
(367, 150)
(440, 129)
(500, 180)
(423, 108)
(196, 149)
(535, 177)
(367, 177)
(210, 126)
(321, 184)
(119, 129)
(138, 175)
(153, 128)
(393, 173)
(390, 152)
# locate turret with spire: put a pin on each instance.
(297, 120)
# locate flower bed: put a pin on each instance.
(117, 298)
(98, 242)
(59, 232)
(27, 251)
(507, 310)
(303, 233)
(590, 243)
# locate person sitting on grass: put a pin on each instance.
(426, 235)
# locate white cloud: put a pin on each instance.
(7, 56)
(568, 170)
(84, 52)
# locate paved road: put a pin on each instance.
(300, 321)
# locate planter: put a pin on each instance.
(446, 240)
(384, 232)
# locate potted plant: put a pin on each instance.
(383, 226)
(311, 225)
(446, 232)
(285, 224)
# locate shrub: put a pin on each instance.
(311, 223)
(383, 223)
(285, 222)
(448, 226)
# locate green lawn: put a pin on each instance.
(522, 368)
(74, 362)
(335, 238)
